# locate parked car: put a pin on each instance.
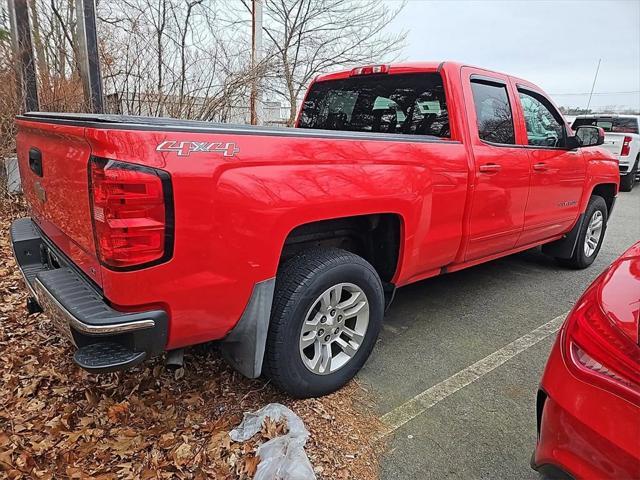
(149, 234)
(622, 139)
(589, 399)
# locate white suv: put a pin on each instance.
(622, 139)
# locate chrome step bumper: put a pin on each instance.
(74, 305)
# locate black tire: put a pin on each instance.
(627, 181)
(299, 283)
(580, 259)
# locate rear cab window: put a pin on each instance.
(411, 104)
(609, 124)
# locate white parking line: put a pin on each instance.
(409, 410)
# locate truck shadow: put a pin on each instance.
(482, 289)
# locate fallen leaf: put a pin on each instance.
(115, 412)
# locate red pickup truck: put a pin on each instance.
(149, 234)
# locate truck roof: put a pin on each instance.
(405, 67)
(416, 67)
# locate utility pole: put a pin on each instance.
(255, 105)
(89, 60)
(594, 84)
(23, 49)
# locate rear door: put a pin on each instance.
(502, 171)
(53, 161)
(557, 174)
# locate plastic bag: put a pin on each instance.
(281, 458)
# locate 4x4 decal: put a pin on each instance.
(184, 149)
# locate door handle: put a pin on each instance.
(490, 168)
(540, 167)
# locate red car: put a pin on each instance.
(286, 244)
(588, 404)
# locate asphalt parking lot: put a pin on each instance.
(445, 427)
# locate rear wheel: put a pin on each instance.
(591, 234)
(326, 317)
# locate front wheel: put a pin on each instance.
(591, 234)
(326, 317)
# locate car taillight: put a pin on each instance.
(370, 69)
(597, 351)
(132, 214)
(626, 146)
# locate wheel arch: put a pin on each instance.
(376, 237)
(565, 247)
(607, 191)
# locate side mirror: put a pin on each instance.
(589, 136)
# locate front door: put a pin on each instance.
(557, 174)
(502, 173)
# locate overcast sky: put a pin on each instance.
(554, 44)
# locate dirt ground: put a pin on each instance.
(57, 421)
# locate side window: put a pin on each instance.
(544, 126)
(493, 112)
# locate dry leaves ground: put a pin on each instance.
(56, 421)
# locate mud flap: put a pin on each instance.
(565, 247)
(244, 346)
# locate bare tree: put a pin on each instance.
(191, 58)
(176, 58)
(308, 37)
(53, 31)
(8, 89)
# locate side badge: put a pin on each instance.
(184, 149)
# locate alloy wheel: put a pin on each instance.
(594, 232)
(334, 328)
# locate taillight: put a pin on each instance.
(132, 214)
(626, 146)
(597, 351)
(370, 69)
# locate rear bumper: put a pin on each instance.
(76, 306)
(583, 431)
(568, 448)
(626, 164)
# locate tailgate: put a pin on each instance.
(53, 162)
(613, 142)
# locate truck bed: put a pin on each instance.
(232, 210)
(131, 122)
